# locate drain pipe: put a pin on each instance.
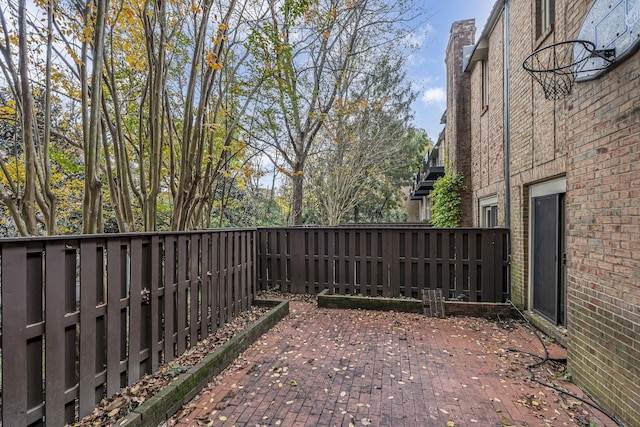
(507, 141)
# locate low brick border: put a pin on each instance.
(411, 305)
(181, 390)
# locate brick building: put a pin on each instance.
(453, 146)
(569, 189)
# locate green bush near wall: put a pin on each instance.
(446, 199)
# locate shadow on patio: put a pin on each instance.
(324, 367)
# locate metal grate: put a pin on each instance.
(432, 303)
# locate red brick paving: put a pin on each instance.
(323, 367)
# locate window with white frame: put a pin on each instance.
(489, 211)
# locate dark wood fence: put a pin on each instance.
(84, 316)
(392, 261)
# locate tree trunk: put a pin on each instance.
(296, 201)
(51, 200)
(29, 198)
(92, 207)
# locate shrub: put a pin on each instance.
(446, 201)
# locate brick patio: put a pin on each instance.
(323, 367)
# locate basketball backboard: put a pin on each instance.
(614, 28)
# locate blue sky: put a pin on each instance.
(427, 70)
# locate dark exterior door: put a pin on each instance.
(549, 289)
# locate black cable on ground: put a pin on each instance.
(544, 360)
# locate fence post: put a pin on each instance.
(14, 343)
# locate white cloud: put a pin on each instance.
(417, 38)
(434, 95)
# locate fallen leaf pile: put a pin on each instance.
(273, 294)
(111, 409)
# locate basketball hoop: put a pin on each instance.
(556, 66)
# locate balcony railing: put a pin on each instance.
(83, 316)
(432, 169)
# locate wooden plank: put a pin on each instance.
(420, 262)
(368, 264)
(329, 268)
(155, 297)
(228, 273)
(246, 269)
(499, 263)
(358, 258)
(487, 270)
(14, 343)
(194, 285)
(345, 266)
(458, 262)
(445, 262)
(243, 274)
(224, 301)
(311, 260)
(360, 263)
(378, 267)
(430, 253)
(296, 256)
(269, 260)
(181, 312)
(261, 259)
(170, 290)
(281, 274)
(473, 264)
(35, 329)
(71, 323)
(251, 267)
(114, 318)
(100, 318)
(436, 264)
(236, 273)
(215, 281)
(337, 264)
(88, 332)
(405, 286)
(389, 262)
(135, 310)
(205, 284)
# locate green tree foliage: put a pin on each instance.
(153, 95)
(313, 55)
(136, 115)
(446, 201)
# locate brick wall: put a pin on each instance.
(538, 149)
(458, 111)
(603, 208)
(592, 138)
(487, 136)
